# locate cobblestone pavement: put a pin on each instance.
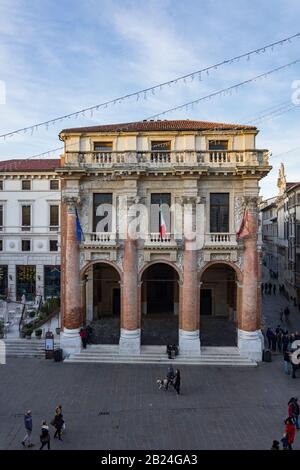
(120, 407)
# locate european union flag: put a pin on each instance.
(79, 232)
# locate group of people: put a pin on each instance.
(268, 288)
(279, 340)
(291, 425)
(58, 423)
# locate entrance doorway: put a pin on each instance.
(218, 316)
(160, 305)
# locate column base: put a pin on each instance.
(70, 341)
(130, 342)
(189, 343)
(250, 344)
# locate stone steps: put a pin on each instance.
(156, 355)
(26, 347)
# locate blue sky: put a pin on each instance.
(57, 57)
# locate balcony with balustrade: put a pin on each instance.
(99, 240)
(156, 240)
(166, 159)
(220, 240)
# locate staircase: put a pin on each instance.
(210, 356)
(26, 347)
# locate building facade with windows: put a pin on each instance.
(29, 229)
(150, 213)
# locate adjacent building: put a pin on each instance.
(29, 228)
(280, 217)
(149, 216)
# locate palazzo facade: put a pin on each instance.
(149, 252)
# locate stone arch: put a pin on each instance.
(100, 261)
(162, 261)
(239, 274)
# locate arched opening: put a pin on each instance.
(218, 306)
(160, 304)
(103, 302)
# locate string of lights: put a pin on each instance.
(150, 90)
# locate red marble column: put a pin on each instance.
(130, 314)
(250, 278)
(72, 308)
(249, 334)
(189, 341)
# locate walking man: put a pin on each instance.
(177, 381)
(170, 376)
(45, 436)
(28, 428)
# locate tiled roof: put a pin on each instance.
(290, 186)
(144, 126)
(25, 164)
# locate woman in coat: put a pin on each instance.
(58, 423)
(45, 436)
(177, 381)
(289, 435)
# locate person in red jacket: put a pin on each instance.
(289, 435)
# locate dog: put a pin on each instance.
(162, 384)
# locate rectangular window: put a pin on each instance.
(26, 185)
(1, 185)
(52, 281)
(54, 217)
(160, 207)
(53, 245)
(25, 276)
(161, 146)
(26, 217)
(102, 212)
(218, 145)
(3, 280)
(298, 234)
(219, 212)
(1, 217)
(26, 245)
(103, 146)
(54, 185)
(1, 245)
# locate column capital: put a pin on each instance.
(70, 201)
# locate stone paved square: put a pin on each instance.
(120, 407)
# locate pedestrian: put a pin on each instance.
(270, 288)
(274, 289)
(286, 361)
(58, 424)
(262, 288)
(83, 337)
(279, 341)
(170, 376)
(281, 315)
(269, 336)
(59, 411)
(28, 427)
(286, 313)
(296, 413)
(274, 342)
(289, 434)
(45, 436)
(275, 445)
(177, 381)
(285, 342)
(89, 334)
(266, 288)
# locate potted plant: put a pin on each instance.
(28, 332)
(38, 333)
(58, 329)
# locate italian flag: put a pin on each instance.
(162, 223)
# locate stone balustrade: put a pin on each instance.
(219, 239)
(166, 159)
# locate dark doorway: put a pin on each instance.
(206, 302)
(106, 304)
(218, 306)
(160, 305)
(116, 302)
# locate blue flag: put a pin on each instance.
(79, 232)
